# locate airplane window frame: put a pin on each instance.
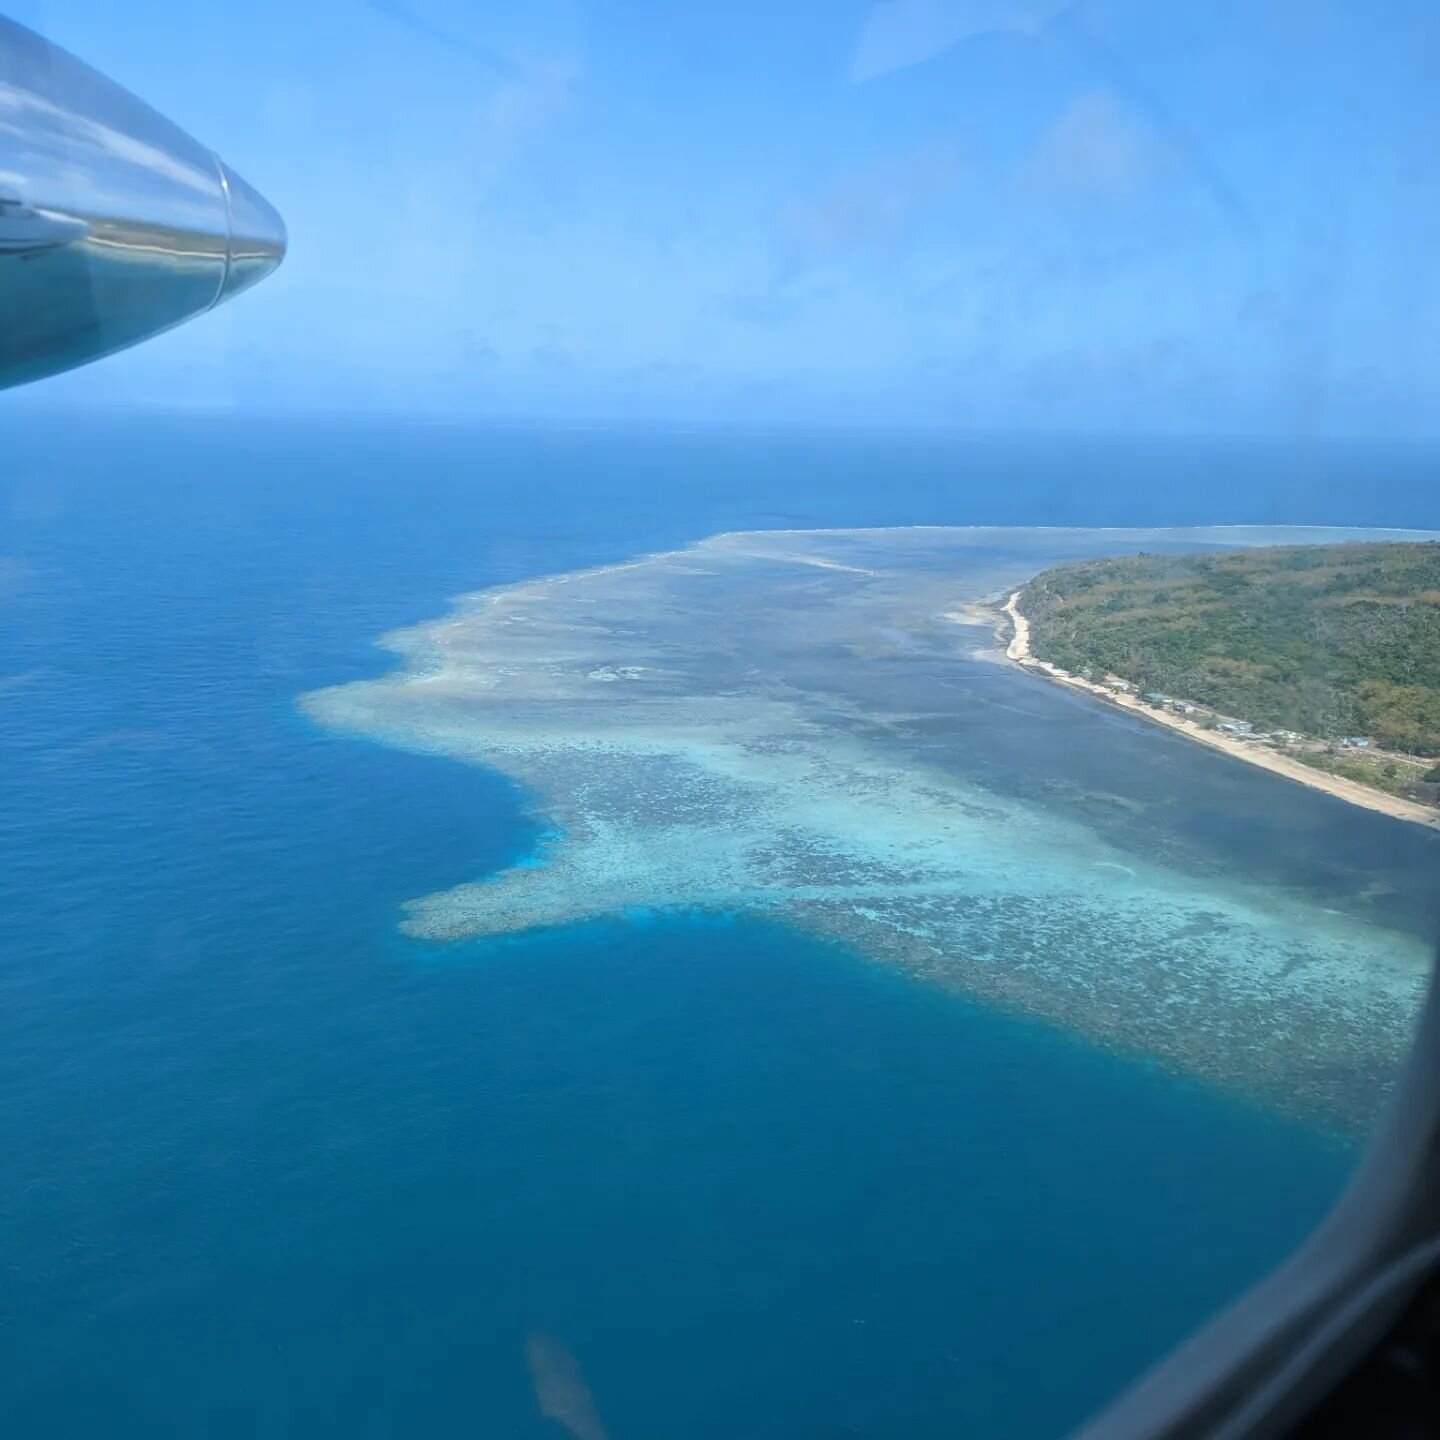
(1264, 1363)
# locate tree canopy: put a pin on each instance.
(1329, 640)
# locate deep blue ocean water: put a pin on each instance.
(269, 1169)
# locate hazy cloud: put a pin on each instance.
(864, 210)
(1128, 80)
(531, 99)
(866, 207)
(475, 349)
(766, 308)
(1096, 147)
(553, 352)
(519, 111)
(528, 85)
(900, 33)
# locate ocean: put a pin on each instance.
(272, 1168)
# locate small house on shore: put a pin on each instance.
(1237, 727)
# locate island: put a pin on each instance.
(1318, 662)
(818, 729)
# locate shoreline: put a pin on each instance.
(1018, 652)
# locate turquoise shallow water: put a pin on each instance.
(274, 1169)
(788, 724)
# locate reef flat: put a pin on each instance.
(795, 724)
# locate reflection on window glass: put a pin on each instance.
(756, 756)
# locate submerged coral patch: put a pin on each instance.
(772, 722)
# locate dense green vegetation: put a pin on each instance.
(1329, 640)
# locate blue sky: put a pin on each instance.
(995, 214)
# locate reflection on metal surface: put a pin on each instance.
(114, 224)
(28, 230)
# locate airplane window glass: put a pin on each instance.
(714, 720)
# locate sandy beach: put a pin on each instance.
(1249, 751)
